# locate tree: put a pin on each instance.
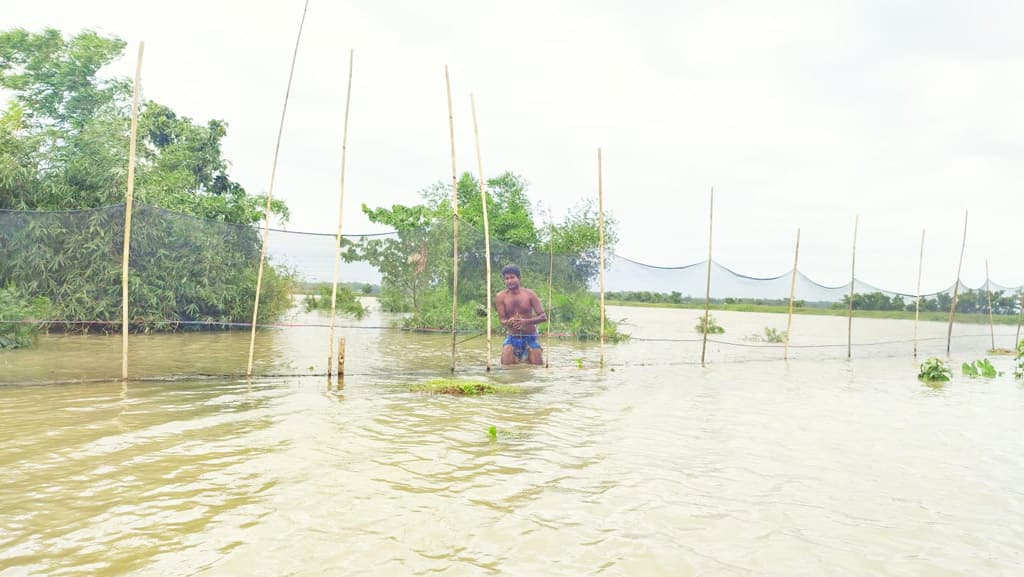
(63, 146)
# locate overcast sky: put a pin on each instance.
(798, 114)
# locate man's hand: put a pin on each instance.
(515, 324)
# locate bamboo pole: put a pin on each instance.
(129, 199)
(956, 287)
(455, 218)
(792, 295)
(988, 291)
(917, 302)
(707, 290)
(551, 273)
(1020, 317)
(270, 195)
(337, 235)
(853, 276)
(600, 243)
(487, 226)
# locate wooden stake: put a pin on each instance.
(792, 295)
(455, 218)
(487, 227)
(341, 205)
(341, 357)
(853, 273)
(988, 291)
(956, 287)
(707, 291)
(129, 199)
(270, 195)
(917, 303)
(600, 243)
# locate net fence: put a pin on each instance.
(192, 285)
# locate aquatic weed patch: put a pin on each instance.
(934, 370)
(462, 388)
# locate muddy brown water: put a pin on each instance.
(653, 465)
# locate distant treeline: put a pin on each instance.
(968, 301)
(359, 288)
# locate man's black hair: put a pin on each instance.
(511, 269)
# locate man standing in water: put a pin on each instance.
(520, 312)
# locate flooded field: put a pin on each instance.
(650, 466)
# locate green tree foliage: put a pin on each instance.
(17, 318)
(64, 147)
(967, 301)
(416, 264)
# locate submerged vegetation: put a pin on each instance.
(708, 324)
(1018, 370)
(934, 369)
(345, 301)
(980, 368)
(770, 335)
(459, 387)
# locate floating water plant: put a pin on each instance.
(982, 368)
(708, 325)
(579, 363)
(458, 387)
(933, 369)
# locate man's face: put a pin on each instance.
(511, 281)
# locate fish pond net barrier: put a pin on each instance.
(192, 286)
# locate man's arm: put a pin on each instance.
(499, 303)
(538, 310)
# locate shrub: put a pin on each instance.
(20, 318)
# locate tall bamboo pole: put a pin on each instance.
(341, 204)
(853, 277)
(988, 291)
(956, 287)
(1020, 317)
(707, 290)
(792, 295)
(129, 199)
(270, 195)
(487, 226)
(551, 273)
(455, 218)
(600, 242)
(917, 302)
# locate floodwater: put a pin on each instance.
(653, 465)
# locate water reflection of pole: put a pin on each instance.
(337, 236)
(991, 323)
(600, 243)
(455, 218)
(128, 215)
(707, 290)
(270, 195)
(956, 287)
(487, 227)
(853, 276)
(792, 295)
(917, 303)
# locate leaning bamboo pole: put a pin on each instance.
(792, 296)
(956, 287)
(988, 292)
(707, 291)
(551, 273)
(917, 302)
(853, 277)
(129, 199)
(487, 226)
(270, 195)
(600, 243)
(337, 235)
(455, 219)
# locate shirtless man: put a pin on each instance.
(520, 312)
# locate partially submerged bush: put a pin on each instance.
(708, 324)
(770, 335)
(982, 368)
(1018, 371)
(345, 301)
(933, 369)
(19, 316)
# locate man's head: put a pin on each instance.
(510, 273)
